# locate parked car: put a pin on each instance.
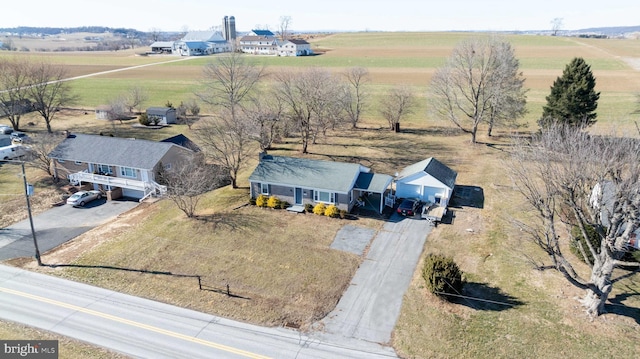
(12, 152)
(409, 207)
(5, 130)
(19, 137)
(81, 198)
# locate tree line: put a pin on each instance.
(305, 104)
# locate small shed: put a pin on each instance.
(428, 180)
(104, 112)
(162, 115)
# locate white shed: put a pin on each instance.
(428, 180)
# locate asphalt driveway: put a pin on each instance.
(370, 307)
(58, 225)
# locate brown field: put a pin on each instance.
(543, 318)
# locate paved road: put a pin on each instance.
(56, 226)
(370, 307)
(147, 329)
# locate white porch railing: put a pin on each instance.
(150, 188)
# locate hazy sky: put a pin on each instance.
(339, 15)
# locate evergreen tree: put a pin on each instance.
(572, 100)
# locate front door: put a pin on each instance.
(298, 196)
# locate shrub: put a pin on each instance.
(594, 238)
(442, 275)
(261, 201)
(319, 209)
(273, 202)
(343, 213)
(144, 119)
(252, 201)
(284, 205)
(331, 211)
(308, 207)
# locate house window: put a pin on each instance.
(326, 197)
(60, 161)
(78, 163)
(167, 166)
(264, 188)
(104, 169)
(128, 172)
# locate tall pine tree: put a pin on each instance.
(572, 100)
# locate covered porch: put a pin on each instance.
(148, 188)
(370, 190)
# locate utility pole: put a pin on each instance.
(33, 231)
(26, 195)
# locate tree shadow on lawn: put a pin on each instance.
(616, 305)
(481, 296)
(226, 291)
(232, 220)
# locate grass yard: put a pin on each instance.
(68, 348)
(279, 265)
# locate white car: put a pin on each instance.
(81, 198)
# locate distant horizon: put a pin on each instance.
(327, 30)
(329, 16)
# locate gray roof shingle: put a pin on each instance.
(434, 168)
(306, 173)
(373, 182)
(113, 151)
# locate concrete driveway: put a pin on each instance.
(370, 307)
(58, 225)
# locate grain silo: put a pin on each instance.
(229, 27)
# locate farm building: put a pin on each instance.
(259, 42)
(163, 47)
(197, 43)
(295, 47)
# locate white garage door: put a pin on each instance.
(132, 193)
(407, 190)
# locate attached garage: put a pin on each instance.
(132, 193)
(429, 180)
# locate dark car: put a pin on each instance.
(409, 207)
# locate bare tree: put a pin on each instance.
(49, 92)
(357, 78)
(117, 108)
(136, 96)
(155, 33)
(509, 101)
(314, 102)
(193, 109)
(284, 26)
(470, 88)
(226, 142)
(15, 79)
(228, 81)
(266, 116)
(556, 25)
(570, 178)
(39, 149)
(188, 182)
(396, 104)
